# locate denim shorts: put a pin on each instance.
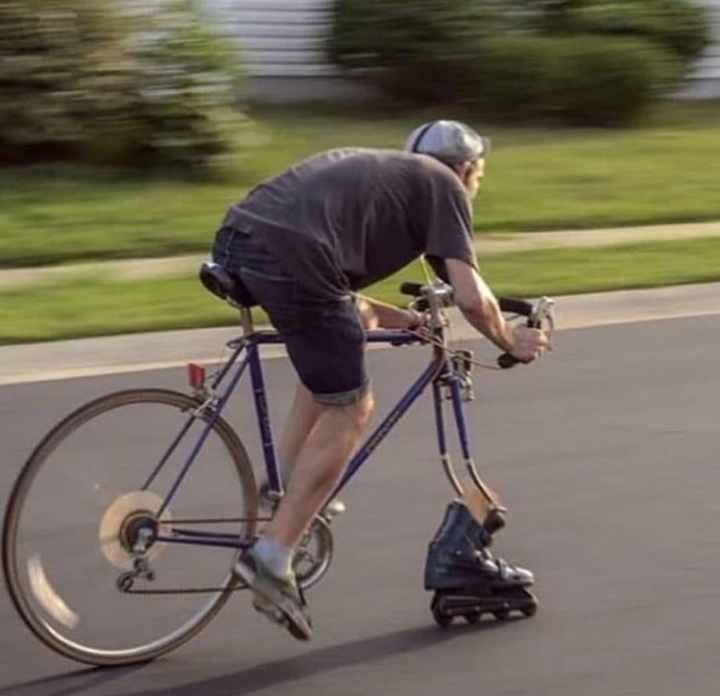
(324, 338)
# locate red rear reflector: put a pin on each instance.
(196, 375)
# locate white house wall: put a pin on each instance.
(704, 82)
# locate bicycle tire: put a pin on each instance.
(49, 635)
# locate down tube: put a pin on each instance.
(381, 432)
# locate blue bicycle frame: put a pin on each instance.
(440, 372)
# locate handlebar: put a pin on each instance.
(412, 289)
(511, 305)
(438, 295)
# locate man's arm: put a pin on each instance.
(479, 306)
(377, 314)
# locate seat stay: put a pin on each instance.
(209, 412)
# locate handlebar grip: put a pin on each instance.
(507, 361)
(513, 305)
(413, 289)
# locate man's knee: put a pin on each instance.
(357, 413)
(359, 399)
(365, 408)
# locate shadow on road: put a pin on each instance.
(252, 679)
(86, 680)
(358, 652)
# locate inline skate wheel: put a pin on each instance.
(473, 617)
(502, 614)
(529, 610)
(442, 618)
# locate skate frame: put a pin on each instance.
(440, 373)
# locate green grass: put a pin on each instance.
(664, 170)
(100, 306)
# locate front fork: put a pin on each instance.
(479, 498)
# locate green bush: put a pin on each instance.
(87, 81)
(513, 77)
(63, 77)
(579, 80)
(415, 50)
(186, 85)
(610, 81)
(519, 59)
(678, 25)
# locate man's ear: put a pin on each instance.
(461, 170)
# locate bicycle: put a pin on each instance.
(139, 546)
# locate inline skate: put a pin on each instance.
(467, 580)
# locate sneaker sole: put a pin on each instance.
(283, 612)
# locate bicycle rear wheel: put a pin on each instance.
(68, 527)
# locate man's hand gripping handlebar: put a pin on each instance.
(433, 298)
(540, 315)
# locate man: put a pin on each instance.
(302, 243)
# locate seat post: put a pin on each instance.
(246, 320)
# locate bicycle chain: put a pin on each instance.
(178, 590)
(218, 520)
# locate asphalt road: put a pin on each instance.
(606, 453)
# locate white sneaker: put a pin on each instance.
(278, 598)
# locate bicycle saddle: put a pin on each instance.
(225, 285)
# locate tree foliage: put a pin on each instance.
(90, 81)
(576, 61)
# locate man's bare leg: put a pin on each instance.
(317, 469)
(267, 567)
(302, 418)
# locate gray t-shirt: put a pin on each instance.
(346, 218)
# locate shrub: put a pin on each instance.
(610, 81)
(519, 59)
(581, 80)
(63, 76)
(512, 76)
(679, 25)
(185, 84)
(415, 50)
(86, 81)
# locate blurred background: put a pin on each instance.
(126, 128)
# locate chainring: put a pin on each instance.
(313, 554)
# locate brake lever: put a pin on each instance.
(543, 315)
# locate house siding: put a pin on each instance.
(704, 80)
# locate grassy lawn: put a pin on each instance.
(93, 306)
(664, 170)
